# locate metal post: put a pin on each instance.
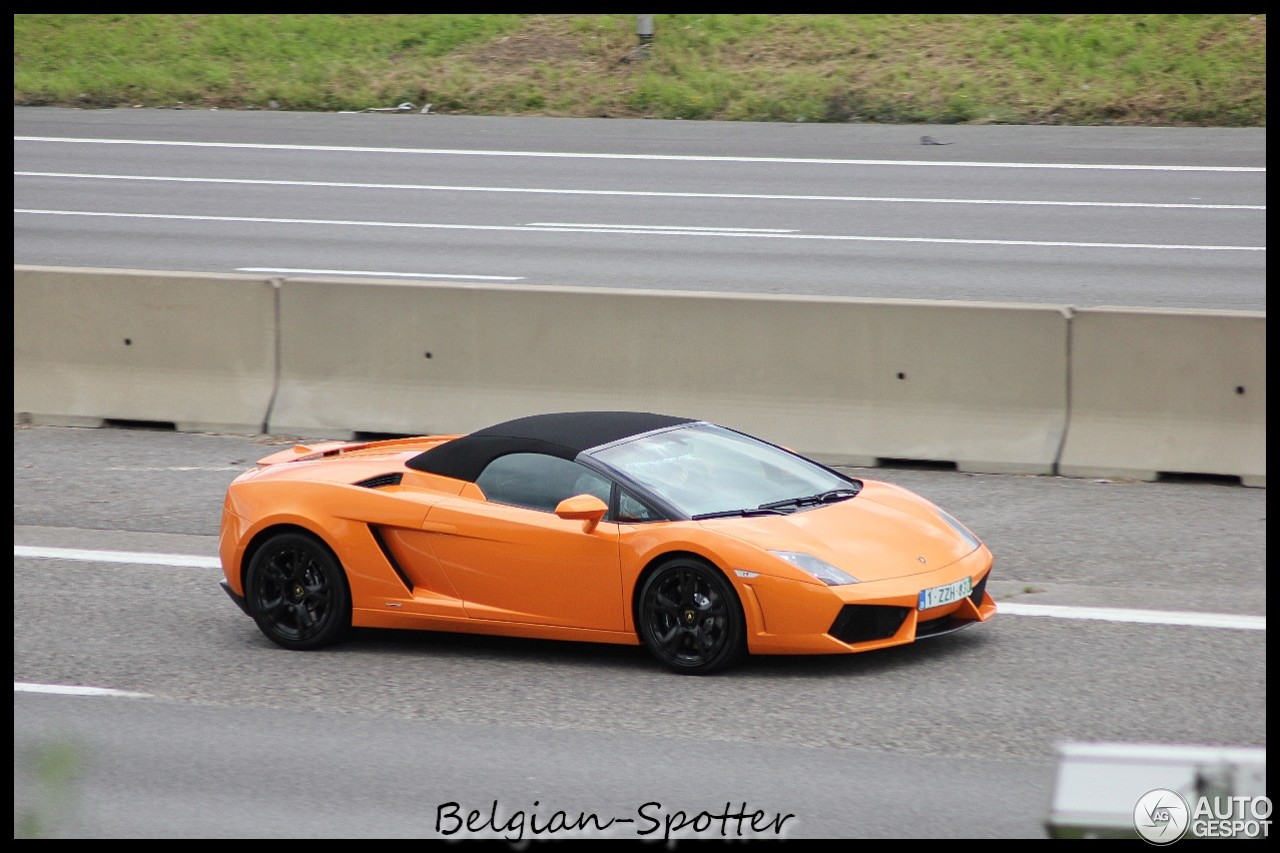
(644, 29)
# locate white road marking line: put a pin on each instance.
(348, 223)
(183, 561)
(1145, 617)
(643, 193)
(74, 690)
(688, 158)
(368, 273)
(699, 228)
(1106, 614)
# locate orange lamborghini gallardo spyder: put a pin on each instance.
(697, 541)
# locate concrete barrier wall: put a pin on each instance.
(991, 387)
(195, 350)
(1165, 391)
(848, 380)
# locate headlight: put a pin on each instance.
(820, 569)
(973, 541)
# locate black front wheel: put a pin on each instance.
(297, 592)
(689, 617)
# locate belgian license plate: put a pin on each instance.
(949, 594)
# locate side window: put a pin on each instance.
(538, 481)
(631, 509)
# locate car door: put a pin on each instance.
(512, 559)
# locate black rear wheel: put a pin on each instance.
(297, 592)
(689, 617)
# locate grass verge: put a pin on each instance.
(1026, 69)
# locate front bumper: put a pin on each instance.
(861, 623)
(807, 619)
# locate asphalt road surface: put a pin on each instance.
(955, 737)
(1158, 217)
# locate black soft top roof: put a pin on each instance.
(564, 434)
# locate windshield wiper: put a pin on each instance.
(829, 496)
(745, 513)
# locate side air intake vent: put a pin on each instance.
(978, 589)
(381, 481)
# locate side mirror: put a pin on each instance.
(588, 509)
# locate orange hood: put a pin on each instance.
(885, 532)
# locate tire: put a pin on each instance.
(689, 617)
(297, 592)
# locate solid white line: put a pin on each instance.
(1107, 614)
(348, 223)
(73, 690)
(645, 193)
(699, 228)
(463, 152)
(185, 561)
(1145, 617)
(368, 273)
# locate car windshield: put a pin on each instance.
(704, 470)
